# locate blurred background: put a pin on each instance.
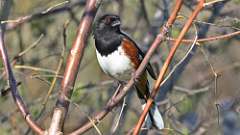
(201, 96)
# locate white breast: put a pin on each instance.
(116, 64)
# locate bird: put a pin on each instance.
(119, 57)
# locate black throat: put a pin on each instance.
(107, 41)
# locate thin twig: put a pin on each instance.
(33, 45)
(216, 76)
(37, 69)
(71, 69)
(144, 11)
(47, 76)
(219, 24)
(55, 6)
(60, 63)
(191, 92)
(213, 2)
(208, 39)
(11, 24)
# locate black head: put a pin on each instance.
(108, 22)
(107, 33)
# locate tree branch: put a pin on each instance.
(12, 24)
(71, 70)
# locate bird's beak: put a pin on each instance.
(116, 23)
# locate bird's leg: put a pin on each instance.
(118, 90)
(120, 84)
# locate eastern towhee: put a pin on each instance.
(119, 57)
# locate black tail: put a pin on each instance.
(154, 117)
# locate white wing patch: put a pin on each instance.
(116, 64)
